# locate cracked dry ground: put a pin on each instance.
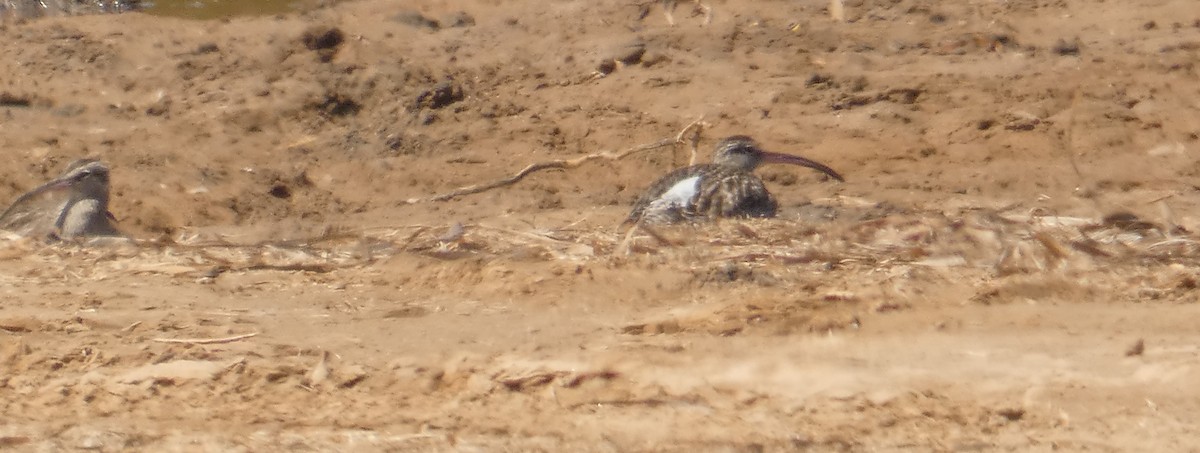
(1011, 264)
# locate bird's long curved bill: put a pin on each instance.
(57, 185)
(780, 158)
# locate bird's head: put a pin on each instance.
(87, 179)
(742, 152)
(738, 151)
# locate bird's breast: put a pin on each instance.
(80, 217)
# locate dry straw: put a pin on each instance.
(1003, 241)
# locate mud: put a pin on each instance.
(1010, 265)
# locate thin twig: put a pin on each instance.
(319, 268)
(657, 235)
(624, 247)
(207, 340)
(1069, 137)
(559, 163)
(694, 142)
(1171, 242)
(837, 10)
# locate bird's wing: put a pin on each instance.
(37, 212)
(735, 193)
(660, 187)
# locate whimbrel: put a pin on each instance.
(724, 188)
(75, 204)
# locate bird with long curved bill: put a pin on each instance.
(75, 204)
(727, 187)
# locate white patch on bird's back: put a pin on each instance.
(680, 193)
(669, 206)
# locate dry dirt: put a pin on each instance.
(1011, 264)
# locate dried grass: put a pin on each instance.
(997, 242)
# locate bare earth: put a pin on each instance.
(1011, 264)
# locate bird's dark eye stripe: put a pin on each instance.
(86, 173)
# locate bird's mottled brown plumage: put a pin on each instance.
(724, 188)
(75, 204)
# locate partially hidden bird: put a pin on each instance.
(725, 188)
(73, 205)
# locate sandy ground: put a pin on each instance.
(1009, 266)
